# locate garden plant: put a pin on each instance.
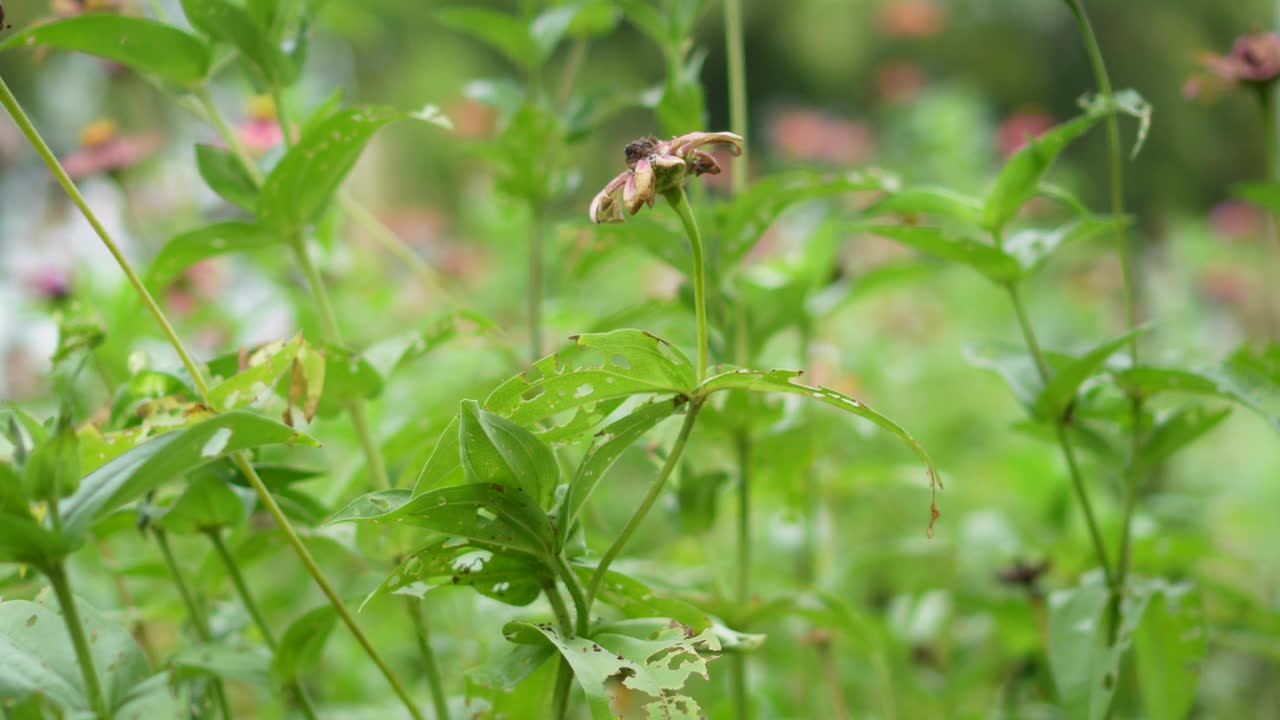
(659, 426)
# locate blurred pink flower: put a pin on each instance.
(1019, 128)
(899, 82)
(1226, 285)
(425, 230)
(804, 134)
(1236, 220)
(1254, 61)
(71, 8)
(260, 131)
(103, 150)
(201, 282)
(50, 282)
(911, 18)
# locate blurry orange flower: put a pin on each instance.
(803, 134)
(911, 18)
(899, 81)
(260, 131)
(103, 150)
(1019, 128)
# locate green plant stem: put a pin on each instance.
(735, 56)
(391, 242)
(680, 203)
(577, 593)
(259, 621)
(572, 66)
(240, 459)
(536, 281)
(20, 118)
(214, 117)
(282, 117)
(655, 491)
(1060, 428)
(57, 575)
(564, 673)
(430, 667)
(742, 449)
(194, 612)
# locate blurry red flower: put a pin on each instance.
(1236, 220)
(260, 131)
(803, 134)
(103, 150)
(1254, 60)
(911, 18)
(51, 282)
(1019, 128)
(899, 81)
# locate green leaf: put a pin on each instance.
(640, 664)
(550, 27)
(233, 25)
(607, 446)
(183, 251)
(444, 466)
(1067, 378)
(1174, 432)
(511, 666)
(773, 381)
(934, 202)
(635, 363)
(505, 33)
(1263, 194)
(1033, 247)
(347, 376)
(38, 658)
(1020, 176)
(264, 368)
(1169, 647)
(697, 496)
(755, 210)
(226, 176)
(511, 578)
(300, 185)
(635, 599)
(27, 542)
(144, 45)
(995, 264)
(208, 504)
(53, 467)
(302, 646)
(1249, 378)
(160, 416)
(491, 516)
(1084, 665)
(244, 663)
(497, 451)
(165, 458)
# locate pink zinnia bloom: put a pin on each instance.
(803, 134)
(102, 150)
(260, 131)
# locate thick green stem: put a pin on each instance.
(564, 673)
(430, 667)
(735, 56)
(577, 593)
(655, 491)
(1060, 428)
(680, 203)
(57, 575)
(194, 612)
(742, 448)
(20, 118)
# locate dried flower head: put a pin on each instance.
(656, 166)
(104, 150)
(1254, 60)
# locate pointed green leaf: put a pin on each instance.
(208, 504)
(497, 451)
(265, 367)
(1021, 175)
(302, 646)
(226, 176)
(997, 265)
(444, 466)
(1174, 432)
(934, 202)
(27, 542)
(511, 578)
(505, 33)
(184, 250)
(1061, 389)
(145, 45)
(1033, 247)
(233, 25)
(1084, 665)
(1249, 378)
(166, 458)
(1169, 647)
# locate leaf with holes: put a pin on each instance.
(166, 458)
(145, 45)
(497, 451)
(635, 363)
(632, 666)
(511, 578)
(300, 185)
(772, 381)
(491, 516)
(607, 446)
(263, 369)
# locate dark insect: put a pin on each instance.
(637, 150)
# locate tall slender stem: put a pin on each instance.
(577, 593)
(282, 116)
(255, 614)
(742, 448)
(240, 459)
(20, 118)
(214, 117)
(57, 575)
(194, 612)
(736, 60)
(536, 281)
(564, 673)
(680, 203)
(655, 491)
(1060, 430)
(430, 667)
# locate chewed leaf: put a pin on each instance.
(767, 381)
(629, 667)
(635, 363)
(609, 444)
(635, 599)
(263, 369)
(506, 577)
(497, 451)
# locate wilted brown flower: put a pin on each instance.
(103, 150)
(656, 166)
